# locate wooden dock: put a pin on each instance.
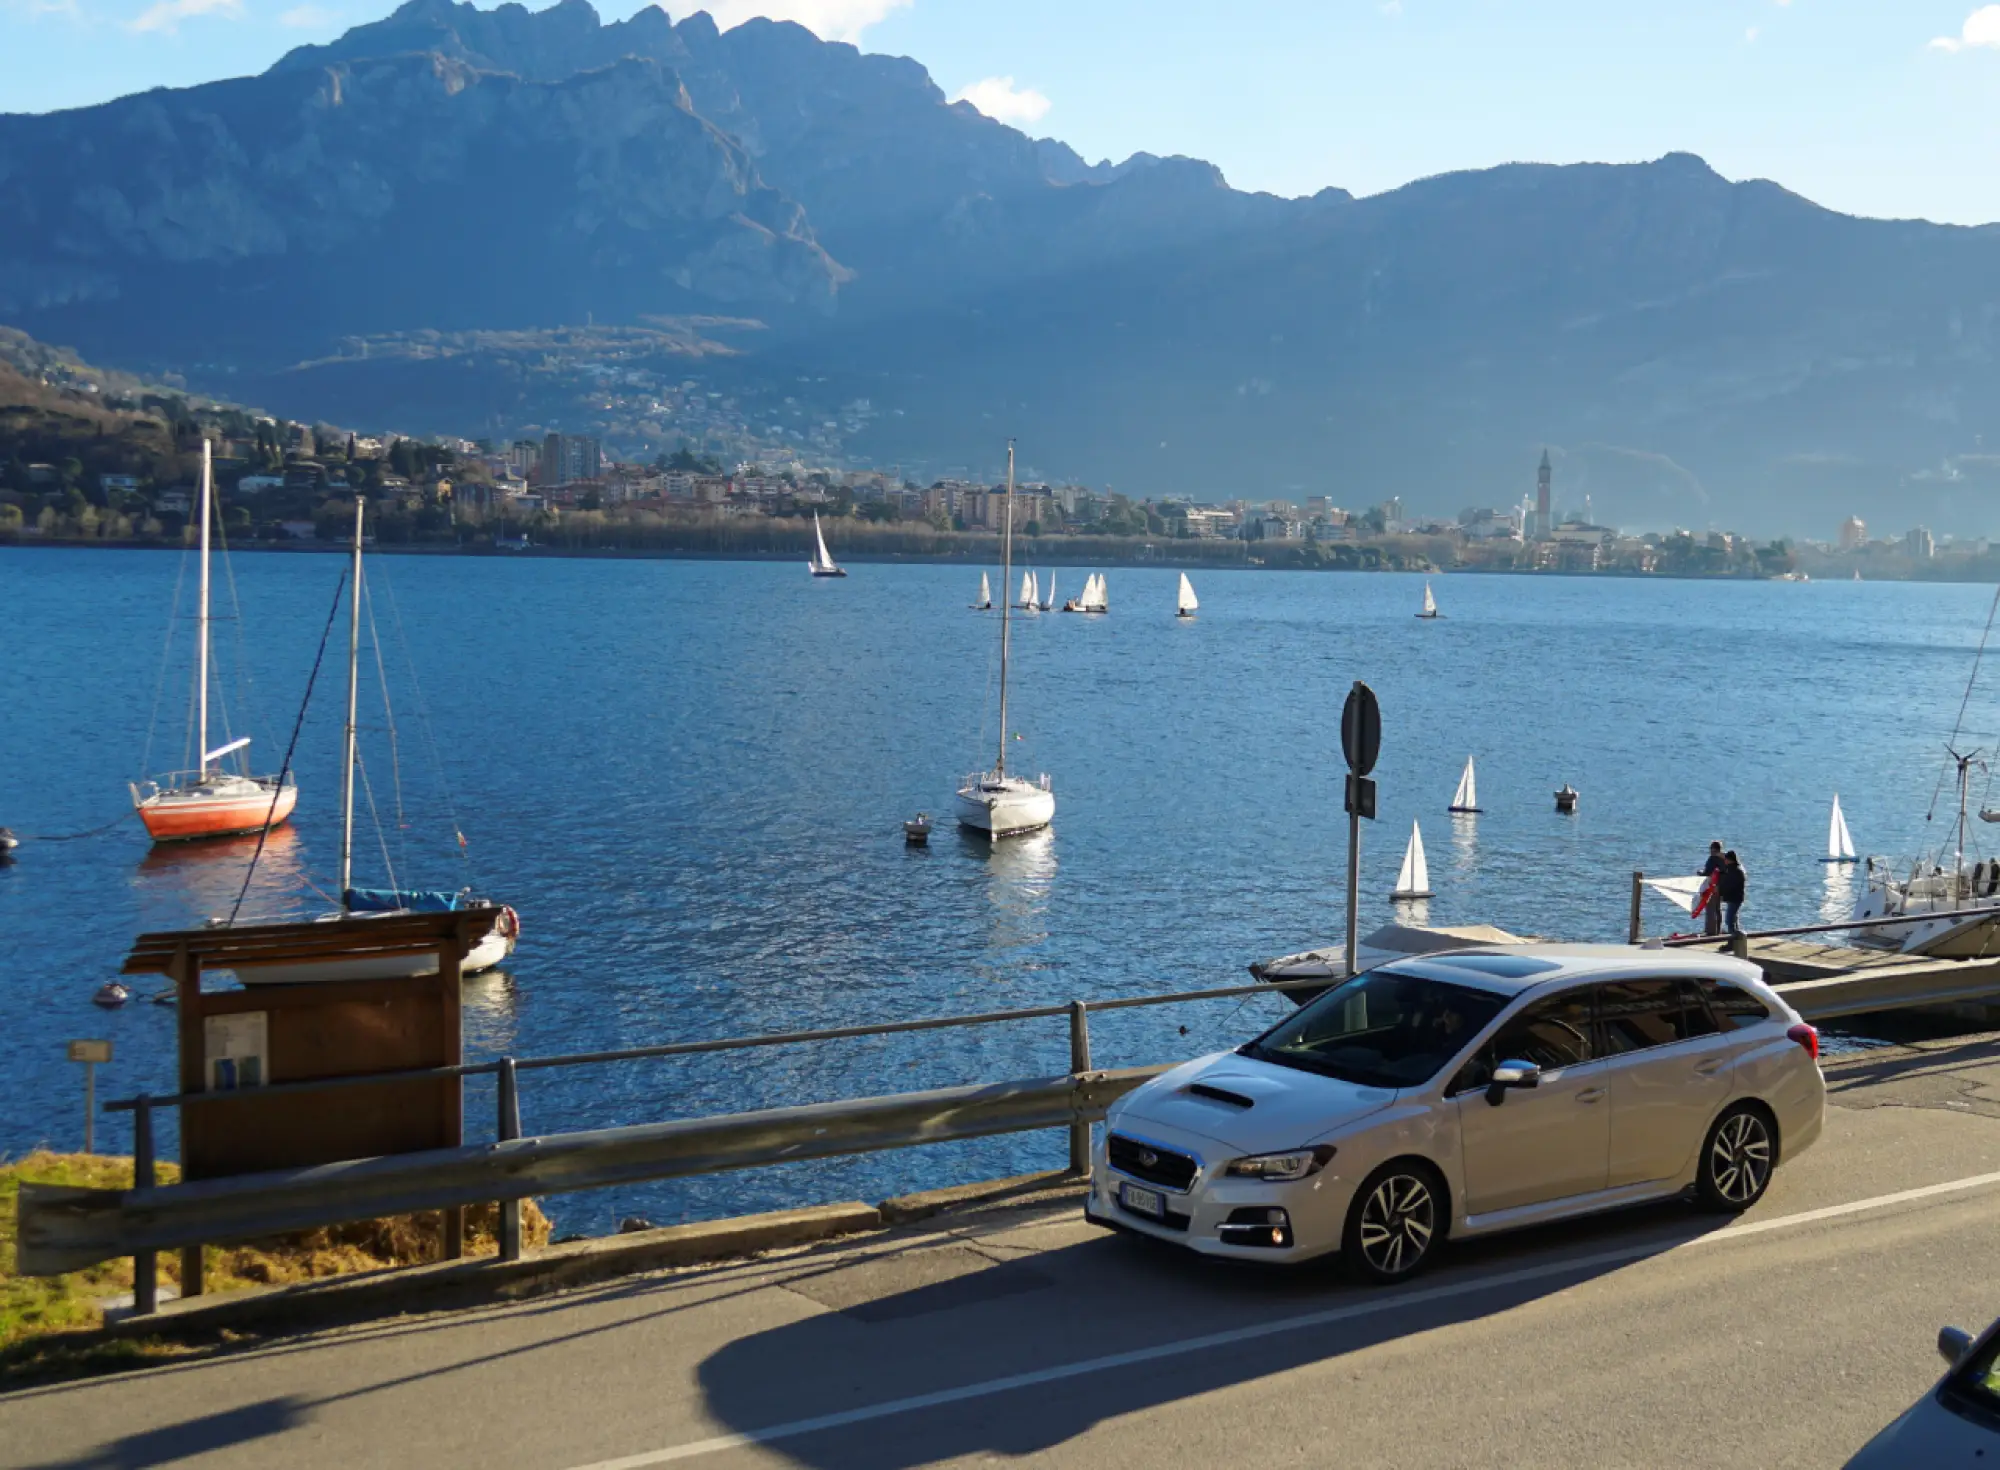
(1826, 980)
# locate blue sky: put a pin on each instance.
(1879, 107)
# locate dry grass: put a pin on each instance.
(41, 1307)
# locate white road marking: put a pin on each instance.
(1374, 1306)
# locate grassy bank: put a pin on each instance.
(48, 1323)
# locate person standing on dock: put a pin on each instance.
(1731, 886)
(1711, 901)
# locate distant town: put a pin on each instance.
(90, 461)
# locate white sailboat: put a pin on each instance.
(993, 802)
(1465, 800)
(211, 801)
(1414, 881)
(985, 602)
(1091, 599)
(1187, 603)
(493, 946)
(1028, 602)
(822, 563)
(1430, 604)
(1839, 841)
(1049, 597)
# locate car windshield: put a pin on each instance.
(1977, 1380)
(1380, 1029)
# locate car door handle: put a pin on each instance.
(1709, 1068)
(1590, 1094)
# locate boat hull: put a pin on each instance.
(189, 815)
(492, 948)
(1008, 808)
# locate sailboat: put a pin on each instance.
(493, 946)
(1430, 604)
(1414, 881)
(1048, 601)
(822, 563)
(1091, 599)
(1465, 800)
(1030, 600)
(1839, 841)
(993, 802)
(1187, 602)
(985, 603)
(210, 801)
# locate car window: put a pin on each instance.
(1734, 1006)
(1552, 1033)
(1633, 1015)
(1380, 1029)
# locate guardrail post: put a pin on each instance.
(146, 1264)
(1739, 945)
(1638, 891)
(510, 1128)
(1079, 1063)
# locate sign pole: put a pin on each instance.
(1360, 743)
(90, 1053)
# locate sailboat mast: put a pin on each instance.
(201, 617)
(1006, 580)
(353, 702)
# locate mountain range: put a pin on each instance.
(1693, 350)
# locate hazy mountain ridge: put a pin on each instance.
(1692, 348)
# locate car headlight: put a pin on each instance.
(1282, 1168)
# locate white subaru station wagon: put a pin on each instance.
(1465, 1093)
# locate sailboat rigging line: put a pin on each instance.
(278, 786)
(247, 684)
(389, 720)
(424, 724)
(368, 791)
(166, 657)
(1966, 698)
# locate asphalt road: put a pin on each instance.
(1655, 1338)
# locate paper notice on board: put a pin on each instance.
(234, 1049)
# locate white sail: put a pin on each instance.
(1681, 891)
(1466, 798)
(1430, 602)
(823, 560)
(1027, 590)
(1414, 881)
(1839, 841)
(1049, 597)
(985, 593)
(1187, 600)
(1101, 602)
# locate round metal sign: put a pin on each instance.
(1361, 729)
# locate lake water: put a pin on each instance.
(689, 778)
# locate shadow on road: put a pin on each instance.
(190, 1438)
(1034, 1349)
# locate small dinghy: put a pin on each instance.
(1566, 798)
(1430, 604)
(985, 603)
(917, 831)
(111, 995)
(8, 841)
(1414, 881)
(1188, 605)
(1465, 800)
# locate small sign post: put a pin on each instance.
(1361, 743)
(90, 1053)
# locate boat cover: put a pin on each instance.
(385, 900)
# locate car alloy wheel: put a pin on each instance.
(1393, 1224)
(1736, 1164)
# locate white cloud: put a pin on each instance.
(1981, 28)
(830, 20)
(1751, 35)
(308, 17)
(1002, 101)
(167, 15)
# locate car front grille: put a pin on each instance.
(1150, 1162)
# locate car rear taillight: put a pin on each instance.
(1806, 1037)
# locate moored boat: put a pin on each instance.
(210, 801)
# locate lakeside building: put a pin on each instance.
(567, 458)
(1920, 544)
(1853, 534)
(1543, 477)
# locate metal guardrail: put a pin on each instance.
(66, 1229)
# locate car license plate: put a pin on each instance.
(1142, 1201)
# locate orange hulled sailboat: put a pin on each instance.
(210, 801)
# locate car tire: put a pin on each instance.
(1737, 1159)
(1398, 1219)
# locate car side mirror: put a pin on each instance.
(1953, 1344)
(1509, 1075)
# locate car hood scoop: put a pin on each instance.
(1251, 1106)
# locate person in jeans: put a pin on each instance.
(1711, 915)
(1730, 890)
